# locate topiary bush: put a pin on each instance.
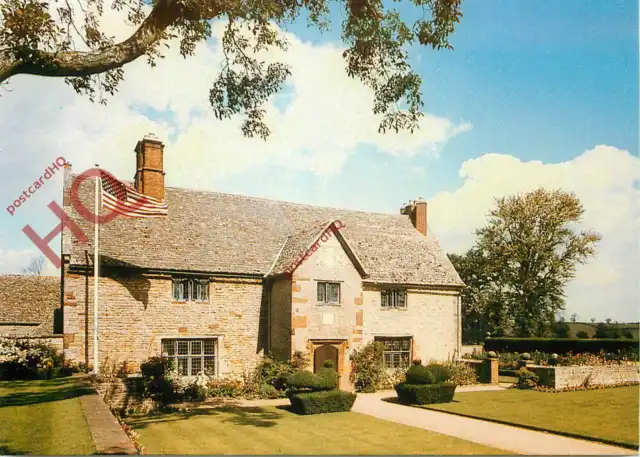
(301, 381)
(326, 401)
(439, 372)
(419, 374)
(526, 379)
(423, 394)
(327, 378)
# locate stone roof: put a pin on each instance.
(215, 232)
(301, 244)
(29, 300)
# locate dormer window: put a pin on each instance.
(184, 290)
(394, 298)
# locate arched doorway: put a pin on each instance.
(322, 353)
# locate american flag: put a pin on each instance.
(123, 199)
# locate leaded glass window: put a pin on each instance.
(191, 356)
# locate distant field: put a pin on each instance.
(590, 328)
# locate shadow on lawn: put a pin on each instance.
(62, 390)
(239, 415)
(6, 450)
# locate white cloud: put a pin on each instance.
(15, 261)
(604, 179)
(326, 117)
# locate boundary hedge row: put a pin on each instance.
(558, 345)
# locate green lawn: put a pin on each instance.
(271, 430)
(608, 414)
(43, 417)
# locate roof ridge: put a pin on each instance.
(268, 199)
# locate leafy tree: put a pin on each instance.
(561, 330)
(482, 309)
(574, 318)
(68, 40)
(582, 334)
(627, 334)
(522, 260)
(593, 320)
(601, 331)
(608, 320)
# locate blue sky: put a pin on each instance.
(535, 93)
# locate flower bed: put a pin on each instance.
(26, 359)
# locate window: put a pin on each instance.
(190, 289)
(329, 292)
(394, 298)
(191, 356)
(397, 352)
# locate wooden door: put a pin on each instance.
(325, 352)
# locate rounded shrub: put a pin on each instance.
(419, 374)
(525, 356)
(301, 380)
(440, 373)
(492, 355)
(326, 379)
(328, 364)
(417, 361)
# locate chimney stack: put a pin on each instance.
(149, 177)
(417, 212)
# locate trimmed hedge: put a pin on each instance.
(440, 372)
(424, 394)
(300, 381)
(419, 374)
(558, 345)
(325, 401)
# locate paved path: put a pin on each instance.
(513, 439)
(108, 436)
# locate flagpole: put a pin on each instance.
(96, 273)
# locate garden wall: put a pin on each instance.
(121, 393)
(562, 377)
(486, 369)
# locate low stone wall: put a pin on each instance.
(486, 369)
(607, 375)
(122, 394)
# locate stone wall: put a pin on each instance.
(431, 318)
(562, 377)
(122, 394)
(137, 311)
(315, 323)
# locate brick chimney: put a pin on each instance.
(149, 178)
(417, 212)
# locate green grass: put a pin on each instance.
(271, 430)
(43, 417)
(590, 328)
(609, 415)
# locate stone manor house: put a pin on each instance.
(225, 279)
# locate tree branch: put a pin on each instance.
(75, 63)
